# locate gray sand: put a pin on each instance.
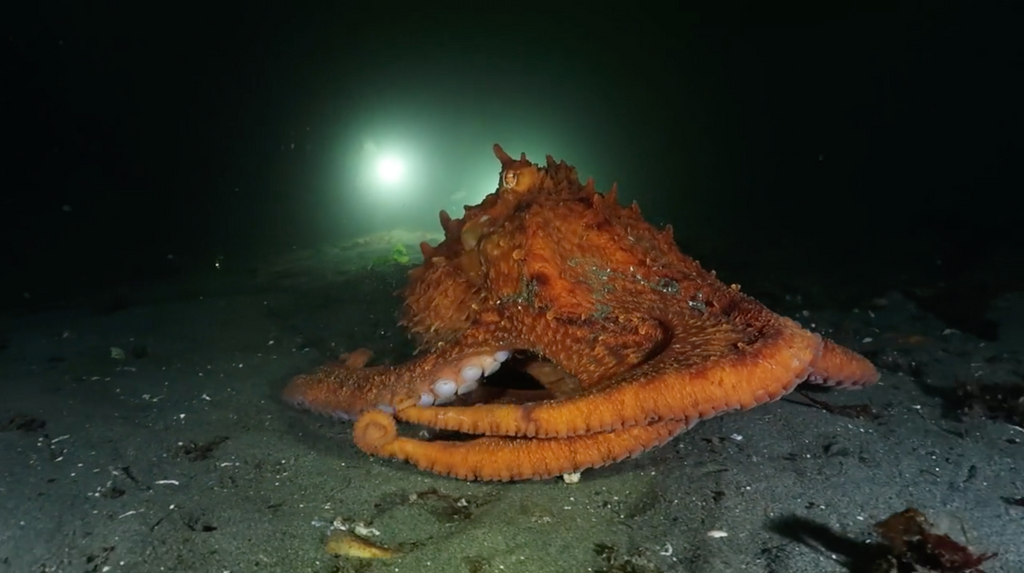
(180, 457)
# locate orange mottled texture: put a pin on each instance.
(635, 341)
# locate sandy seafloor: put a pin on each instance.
(180, 456)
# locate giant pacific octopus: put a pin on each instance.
(629, 340)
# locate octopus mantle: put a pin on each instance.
(629, 340)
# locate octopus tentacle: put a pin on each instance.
(840, 366)
(701, 373)
(487, 458)
(347, 389)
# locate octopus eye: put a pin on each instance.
(509, 178)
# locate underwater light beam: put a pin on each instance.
(390, 170)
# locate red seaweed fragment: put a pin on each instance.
(915, 547)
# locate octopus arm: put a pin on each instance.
(508, 459)
(704, 370)
(840, 366)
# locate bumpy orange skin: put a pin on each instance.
(633, 339)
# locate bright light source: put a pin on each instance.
(390, 170)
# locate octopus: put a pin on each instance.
(625, 340)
